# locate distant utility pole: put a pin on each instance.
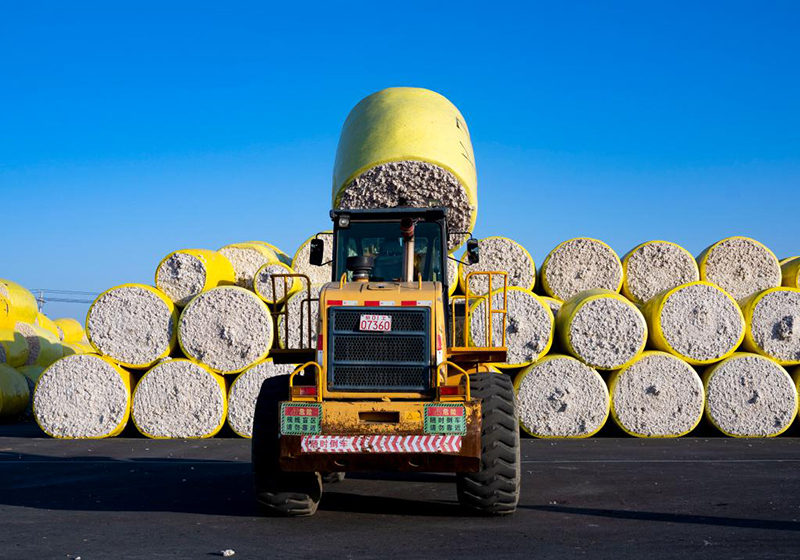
(45, 295)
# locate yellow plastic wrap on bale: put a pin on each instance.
(49, 325)
(22, 306)
(258, 246)
(613, 379)
(50, 348)
(652, 314)
(32, 372)
(220, 381)
(127, 380)
(282, 256)
(708, 374)
(292, 285)
(527, 371)
(790, 272)
(71, 348)
(14, 392)
(748, 306)
(173, 309)
(571, 307)
(72, 328)
(219, 270)
(625, 288)
(406, 124)
(15, 348)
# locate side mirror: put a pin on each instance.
(317, 252)
(473, 251)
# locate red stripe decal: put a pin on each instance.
(381, 444)
(372, 303)
(409, 303)
(334, 302)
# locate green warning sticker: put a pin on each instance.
(299, 419)
(448, 419)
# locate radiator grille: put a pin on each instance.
(375, 361)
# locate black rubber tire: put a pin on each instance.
(332, 477)
(279, 493)
(494, 490)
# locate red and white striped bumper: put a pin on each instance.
(381, 444)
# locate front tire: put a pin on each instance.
(279, 493)
(494, 489)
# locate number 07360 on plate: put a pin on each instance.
(380, 323)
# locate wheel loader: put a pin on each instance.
(390, 378)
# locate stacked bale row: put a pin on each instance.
(29, 342)
(180, 357)
(656, 356)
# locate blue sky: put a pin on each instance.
(129, 131)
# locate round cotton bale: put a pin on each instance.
(49, 325)
(226, 328)
(772, 320)
(407, 147)
(699, 322)
(279, 289)
(741, 266)
(31, 374)
(553, 303)
(14, 393)
(73, 330)
(43, 347)
(529, 326)
(452, 276)
(246, 259)
(22, 306)
(790, 272)
(602, 329)
(183, 274)
(316, 274)
(656, 396)
(297, 310)
(244, 393)
(578, 265)
(83, 397)
(748, 395)
(14, 349)
(282, 256)
(179, 399)
(503, 255)
(133, 324)
(72, 348)
(560, 397)
(655, 266)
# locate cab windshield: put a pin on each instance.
(383, 242)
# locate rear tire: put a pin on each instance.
(279, 493)
(494, 489)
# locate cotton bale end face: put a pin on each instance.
(133, 324)
(741, 266)
(529, 326)
(602, 329)
(83, 397)
(246, 259)
(183, 274)
(697, 322)
(772, 319)
(179, 399)
(499, 254)
(748, 395)
(561, 397)
(655, 266)
(244, 393)
(226, 328)
(578, 265)
(276, 290)
(407, 146)
(316, 274)
(658, 396)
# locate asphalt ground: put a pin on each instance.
(596, 498)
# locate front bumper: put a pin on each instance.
(383, 436)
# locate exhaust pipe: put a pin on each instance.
(407, 231)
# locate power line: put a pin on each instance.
(43, 296)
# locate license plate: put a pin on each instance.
(382, 323)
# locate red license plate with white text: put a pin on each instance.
(381, 323)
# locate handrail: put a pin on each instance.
(490, 311)
(306, 303)
(318, 376)
(465, 376)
